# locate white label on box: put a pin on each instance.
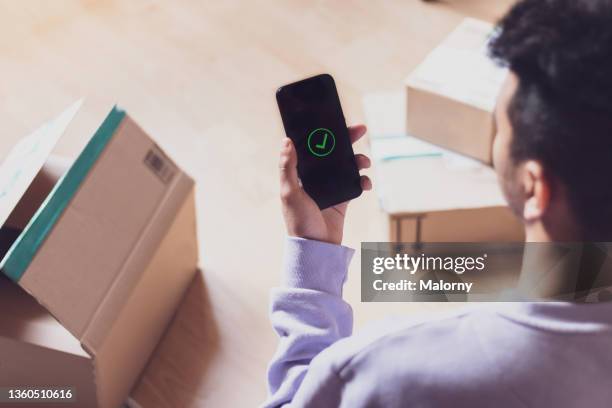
(26, 159)
(461, 69)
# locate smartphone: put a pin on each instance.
(313, 119)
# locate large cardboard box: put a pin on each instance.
(102, 253)
(431, 194)
(451, 95)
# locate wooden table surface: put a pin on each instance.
(200, 77)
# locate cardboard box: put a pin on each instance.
(431, 194)
(451, 95)
(103, 255)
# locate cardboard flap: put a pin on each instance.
(25, 160)
(124, 341)
(27, 244)
(45, 181)
(85, 249)
(29, 322)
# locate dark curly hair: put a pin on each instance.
(561, 113)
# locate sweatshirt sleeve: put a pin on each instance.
(307, 312)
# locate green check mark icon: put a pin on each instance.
(323, 143)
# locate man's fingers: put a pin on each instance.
(366, 183)
(289, 181)
(357, 132)
(363, 161)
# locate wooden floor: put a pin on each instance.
(200, 77)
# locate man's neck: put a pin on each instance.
(555, 232)
(558, 264)
(549, 269)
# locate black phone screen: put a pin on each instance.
(313, 120)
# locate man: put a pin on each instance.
(552, 153)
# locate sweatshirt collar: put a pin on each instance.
(561, 316)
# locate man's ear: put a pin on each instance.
(537, 190)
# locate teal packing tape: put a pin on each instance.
(24, 249)
(409, 156)
(401, 156)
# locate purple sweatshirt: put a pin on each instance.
(505, 355)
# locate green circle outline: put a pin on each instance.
(330, 150)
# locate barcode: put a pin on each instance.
(156, 161)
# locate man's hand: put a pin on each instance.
(303, 217)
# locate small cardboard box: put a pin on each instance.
(431, 194)
(451, 95)
(103, 254)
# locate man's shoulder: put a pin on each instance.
(401, 358)
(413, 346)
(505, 356)
(412, 335)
